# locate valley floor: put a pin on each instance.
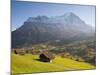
(30, 64)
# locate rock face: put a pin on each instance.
(42, 29)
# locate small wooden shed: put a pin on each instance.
(19, 51)
(46, 56)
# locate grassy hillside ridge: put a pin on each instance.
(29, 64)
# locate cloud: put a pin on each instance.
(13, 29)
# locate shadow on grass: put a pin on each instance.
(40, 60)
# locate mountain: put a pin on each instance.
(67, 27)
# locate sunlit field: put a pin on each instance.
(29, 64)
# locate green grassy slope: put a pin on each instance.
(29, 64)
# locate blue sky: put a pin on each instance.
(21, 11)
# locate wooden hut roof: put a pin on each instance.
(48, 54)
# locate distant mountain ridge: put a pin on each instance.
(42, 29)
(66, 18)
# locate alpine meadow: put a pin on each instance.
(52, 37)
